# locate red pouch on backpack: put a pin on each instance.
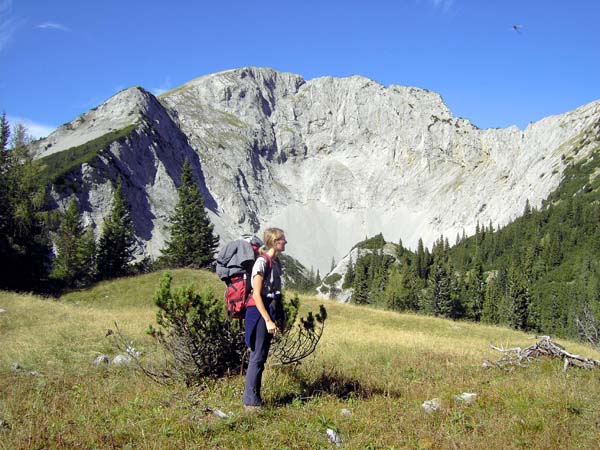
(236, 296)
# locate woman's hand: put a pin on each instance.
(271, 327)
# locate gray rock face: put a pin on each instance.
(330, 160)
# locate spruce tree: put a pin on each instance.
(360, 285)
(349, 275)
(115, 247)
(67, 266)
(412, 286)
(476, 292)
(441, 294)
(493, 297)
(421, 261)
(192, 240)
(4, 134)
(520, 299)
(87, 257)
(24, 238)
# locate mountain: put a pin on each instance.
(330, 160)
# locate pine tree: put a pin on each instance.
(67, 266)
(87, 257)
(477, 289)
(24, 238)
(4, 134)
(520, 299)
(493, 297)
(115, 247)
(349, 275)
(440, 289)
(393, 290)
(360, 286)
(527, 209)
(421, 262)
(192, 240)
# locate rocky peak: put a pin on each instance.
(330, 160)
(119, 111)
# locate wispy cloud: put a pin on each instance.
(164, 87)
(443, 5)
(8, 24)
(35, 129)
(53, 26)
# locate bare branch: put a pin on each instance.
(545, 347)
(588, 327)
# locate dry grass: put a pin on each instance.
(378, 365)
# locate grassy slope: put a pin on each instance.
(379, 365)
(56, 166)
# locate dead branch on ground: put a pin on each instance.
(545, 347)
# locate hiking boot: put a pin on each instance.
(253, 409)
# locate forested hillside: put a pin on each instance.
(538, 273)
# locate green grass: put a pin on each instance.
(56, 166)
(381, 366)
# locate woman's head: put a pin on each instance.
(275, 238)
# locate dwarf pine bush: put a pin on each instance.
(201, 343)
(198, 339)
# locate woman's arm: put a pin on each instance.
(257, 282)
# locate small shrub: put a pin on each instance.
(195, 333)
(200, 343)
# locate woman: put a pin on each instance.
(260, 317)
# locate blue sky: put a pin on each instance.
(60, 58)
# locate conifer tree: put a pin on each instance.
(477, 289)
(493, 297)
(68, 266)
(421, 262)
(402, 288)
(441, 294)
(349, 275)
(192, 240)
(360, 294)
(4, 134)
(24, 239)
(87, 257)
(520, 299)
(115, 247)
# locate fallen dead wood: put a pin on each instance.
(545, 347)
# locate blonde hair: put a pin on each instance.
(271, 235)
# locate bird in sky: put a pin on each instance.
(517, 28)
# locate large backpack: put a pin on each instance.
(234, 267)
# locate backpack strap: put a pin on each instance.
(269, 268)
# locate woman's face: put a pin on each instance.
(280, 244)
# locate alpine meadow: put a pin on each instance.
(367, 381)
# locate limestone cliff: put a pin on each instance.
(330, 160)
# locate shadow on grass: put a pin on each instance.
(330, 383)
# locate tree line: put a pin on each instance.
(539, 273)
(47, 251)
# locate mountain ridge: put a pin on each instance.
(330, 160)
